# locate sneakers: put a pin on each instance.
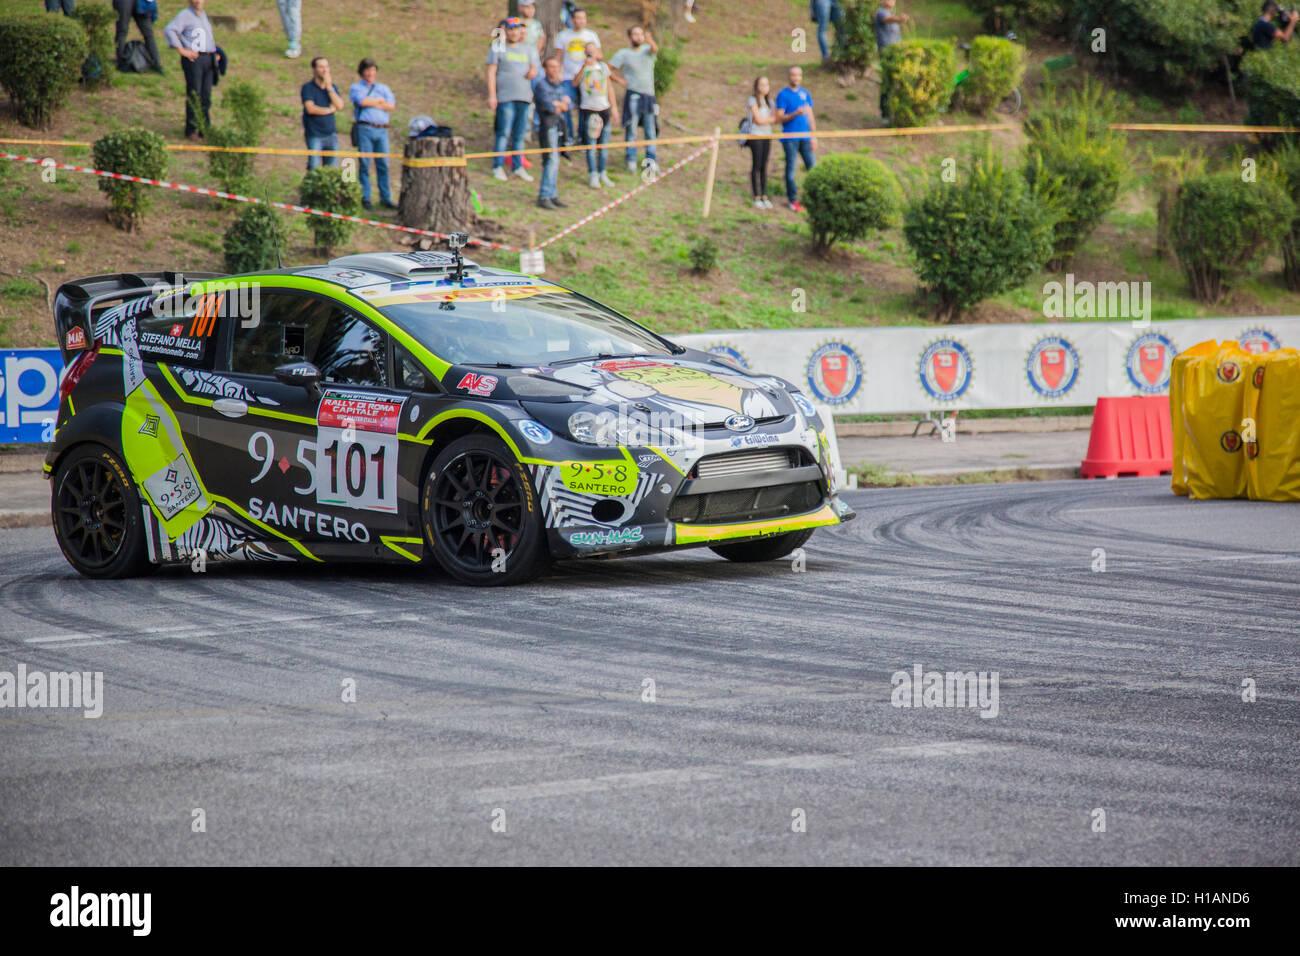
(690, 17)
(767, 203)
(631, 165)
(758, 204)
(388, 204)
(558, 202)
(546, 204)
(594, 182)
(523, 161)
(367, 204)
(523, 174)
(293, 52)
(499, 172)
(796, 206)
(604, 178)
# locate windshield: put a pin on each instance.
(520, 323)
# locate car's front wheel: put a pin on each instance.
(764, 549)
(97, 515)
(480, 514)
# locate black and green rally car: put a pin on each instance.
(408, 406)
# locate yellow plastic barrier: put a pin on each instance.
(1272, 406)
(1212, 394)
(1178, 474)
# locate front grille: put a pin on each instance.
(746, 462)
(747, 504)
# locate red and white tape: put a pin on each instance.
(610, 205)
(265, 202)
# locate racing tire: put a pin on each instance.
(763, 549)
(480, 514)
(97, 516)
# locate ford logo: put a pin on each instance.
(739, 423)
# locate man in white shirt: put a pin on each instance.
(573, 42)
(190, 34)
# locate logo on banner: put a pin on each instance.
(1259, 341)
(1148, 362)
(1052, 366)
(946, 370)
(722, 350)
(1228, 372)
(834, 373)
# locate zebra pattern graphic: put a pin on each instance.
(217, 538)
(110, 320)
(567, 509)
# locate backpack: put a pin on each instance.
(133, 57)
(745, 128)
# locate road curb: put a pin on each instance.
(972, 426)
(24, 519)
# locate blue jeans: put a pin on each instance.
(793, 147)
(571, 92)
(551, 164)
(511, 123)
(291, 18)
(373, 139)
(322, 142)
(631, 119)
(595, 157)
(827, 12)
(52, 6)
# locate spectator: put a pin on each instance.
(372, 101)
(553, 104)
(126, 12)
(690, 11)
(889, 31)
(291, 18)
(68, 6)
(511, 65)
(321, 99)
(823, 13)
(1265, 31)
(190, 33)
(635, 64)
(794, 111)
(536, 33)
(597, 112)
(762, 112)
(573, 41)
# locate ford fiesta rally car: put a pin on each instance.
(408, 406)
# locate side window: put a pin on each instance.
(181, 330)
(350, 351)
(409, 373)
(289, 327)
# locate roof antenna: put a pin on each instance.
(275, 236)
(458, 241)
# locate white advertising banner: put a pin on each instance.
(899, 370)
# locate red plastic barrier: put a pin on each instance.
(1130, 436)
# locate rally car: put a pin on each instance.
(405, 407)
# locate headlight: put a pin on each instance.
(592, 429)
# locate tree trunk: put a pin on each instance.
(435, 197)
(548, 12)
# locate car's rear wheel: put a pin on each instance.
(96, 514)
(764, 549)
(480, 514)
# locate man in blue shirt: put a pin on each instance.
(551, 96)
(372, 101)
(794, 111)
(320, 101)
(1265, 31)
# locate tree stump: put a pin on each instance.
(435, 197)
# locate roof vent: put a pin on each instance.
(402, 263)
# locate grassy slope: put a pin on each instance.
(635, 257)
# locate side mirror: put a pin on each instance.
(298, 373)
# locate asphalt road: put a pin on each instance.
(1118, 690)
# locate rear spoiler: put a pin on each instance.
(77, 303)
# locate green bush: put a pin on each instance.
(849, 196)
(1088, 168)
(996, 68)
(136, 152)
(329, 188)
(1003, 15)
(980, 236)
(667, 61)
(254, 239)
(247, 110)
(1167, 174)
(917, 78)
(1172, 41)
(1286, 165)
(1273, 85)
(1221, 225)
(1093, 105)
(703, 255)
(99, 22)
(40, 62)
(855, 36)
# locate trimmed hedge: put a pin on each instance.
(917, 78)
(1287, 162)
(996, 68)
(99, 21)
(848, 197)
(252, 241)
(855, 36)
(247, 108)
(1221, 225)
(135, 152)
(326, 187)
(980, 236)
(40, 62)
(1273, 85)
